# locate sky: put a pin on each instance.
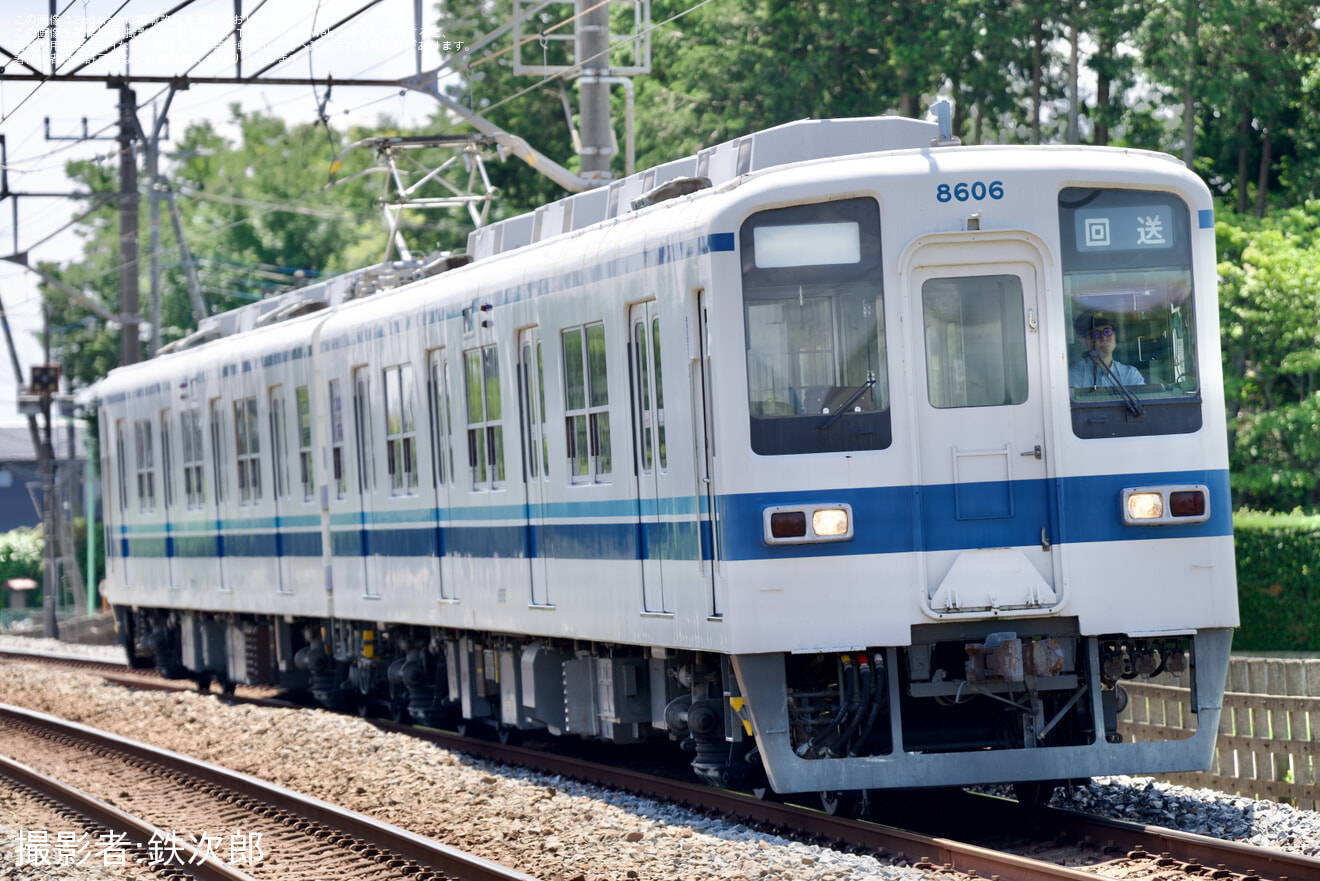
(378, 44)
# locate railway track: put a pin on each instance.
(184, 817)
(973, 834)
(994, 836)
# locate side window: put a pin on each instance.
(661, 448)
(279, 450)
(401, 429)
(438, 400)
(337, 439)
(649, 395)
(190, 430)
(146, 475)
(362, 430)
(218, 457)
(305, 470)
(248, 447)
(122, 465)
(976, 347)
(530, 376)
(540, 387)
(166, 459)
(586, 404)
(485, 422)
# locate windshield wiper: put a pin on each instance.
(1134, 406)
(843, 408)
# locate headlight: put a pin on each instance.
(804, 524)
(830, 522)
(1166, 505)
(1145, 506)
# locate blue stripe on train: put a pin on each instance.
(952, 517)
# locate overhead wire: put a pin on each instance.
(40, 35)
(578, 66)
(57, 67)
(261, 213)
(137, 33)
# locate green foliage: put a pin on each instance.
(1278, 557)
(258, 220)
(20, 553)
(1269, 297)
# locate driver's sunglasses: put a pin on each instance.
(1101, 333)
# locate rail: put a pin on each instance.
(1269, 732)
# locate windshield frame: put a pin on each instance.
(844, 279)
(1145, 292)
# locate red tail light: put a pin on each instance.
(1189, 503)
(788, 524)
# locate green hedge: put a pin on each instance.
(1278, 573)
(20, 554)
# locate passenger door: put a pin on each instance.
(709, 538)
(442, 461)
(650, 450)
(988, 515)
(220, 484)
(365, 449)
(536, 460)
(279, 476)
(167, 487)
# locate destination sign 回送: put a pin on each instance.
(1124, 229)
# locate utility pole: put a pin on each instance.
(153, 203)
(593, 54)
(129, 348)
(50, 579)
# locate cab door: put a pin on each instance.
(988, 514)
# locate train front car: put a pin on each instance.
(974, 468)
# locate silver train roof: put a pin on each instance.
(799, 141)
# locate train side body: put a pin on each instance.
(797, 470)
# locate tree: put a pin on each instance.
(258, 219)
(1270, 324)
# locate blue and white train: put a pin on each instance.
(844, 456)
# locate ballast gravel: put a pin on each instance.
(547, 827)
(1203, 811)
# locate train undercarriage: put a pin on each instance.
(999, 687)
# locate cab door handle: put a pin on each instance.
(1037, 452)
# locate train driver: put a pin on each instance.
(1100, 335)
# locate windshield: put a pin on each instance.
(814, 318)
(1128, 294)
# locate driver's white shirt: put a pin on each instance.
(1088, 373)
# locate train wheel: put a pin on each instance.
(1034, 793)
(839, 802)
(508, 735)
(765, 793)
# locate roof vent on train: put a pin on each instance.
(193, 340)
(793, 142)
(670, 189)
(291, 310)
(387, 276)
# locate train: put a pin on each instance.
(843, 457)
